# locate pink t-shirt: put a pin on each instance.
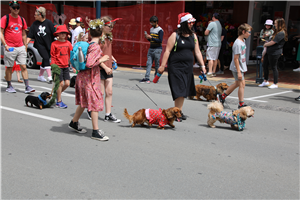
(13, 32)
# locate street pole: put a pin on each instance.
(98, 9)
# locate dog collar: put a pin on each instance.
(215, 87)
(42, 100)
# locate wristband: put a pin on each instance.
(203, 66)
(5, 45)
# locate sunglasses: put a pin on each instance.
(109, 26)
(192, 23)
(249, 32)
(15, 8)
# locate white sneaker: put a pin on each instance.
(273, 86)
(264, 84)
(41, 78)
(196, 65)
(297, 70)
(209, 74)
(50, 79)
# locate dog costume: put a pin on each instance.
(156, 117)
(229, 118)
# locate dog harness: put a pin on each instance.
(156, 117)
(42, 100)
(228, 118)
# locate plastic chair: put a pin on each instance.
(259, 69)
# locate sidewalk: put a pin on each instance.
(287, 78)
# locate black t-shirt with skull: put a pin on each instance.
(42, 33)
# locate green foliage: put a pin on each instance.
(55, 74)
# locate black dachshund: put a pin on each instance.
(39, 101)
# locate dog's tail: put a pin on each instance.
(129, 117)
(215, 106)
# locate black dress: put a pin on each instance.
(180, 68)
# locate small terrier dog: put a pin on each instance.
(151, 116)
(39, 101)
(236, 118)
(209, 92)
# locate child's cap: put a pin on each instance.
(78, 19)
(61, 29)
(269, 22)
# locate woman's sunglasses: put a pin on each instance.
(109, 26)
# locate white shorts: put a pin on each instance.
(18, 54)
(212, 53)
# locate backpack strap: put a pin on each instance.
(175, 45)
(7, 20)
(22, 21)
(177, 37)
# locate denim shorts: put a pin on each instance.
(235, 75)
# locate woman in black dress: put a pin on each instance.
(179, 55)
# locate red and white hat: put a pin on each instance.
(78, 19)
(182, 17)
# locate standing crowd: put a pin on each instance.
(57, 42)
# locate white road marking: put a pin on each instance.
(268, 95)
(254, 98)
(31, 114)
(248, 99)
(35, 86)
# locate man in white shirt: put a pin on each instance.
(77, 30)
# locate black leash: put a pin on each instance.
(147, 95)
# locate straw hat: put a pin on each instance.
(72, 22)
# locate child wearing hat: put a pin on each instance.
(266, 34)
(60, 55)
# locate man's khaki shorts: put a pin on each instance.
(18, 54)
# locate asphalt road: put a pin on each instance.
(43, 159)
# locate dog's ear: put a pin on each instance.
(169, 113)
(243, 115)
(242, 112)
(235, 113)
